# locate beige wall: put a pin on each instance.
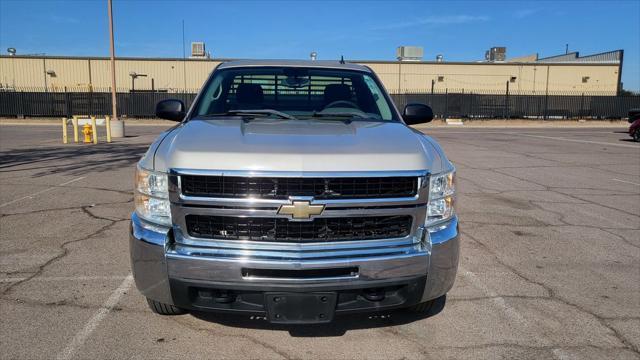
(529, 78)
(29, 72)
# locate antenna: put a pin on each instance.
(341, 59)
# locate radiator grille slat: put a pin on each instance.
(282, 188)
(284, 230)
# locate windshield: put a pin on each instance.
(298, 93)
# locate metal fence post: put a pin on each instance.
(472, 110)
(546, 106)
(506, 102)
(581, 114)
(22, 110)
(66, 103)
(446, 104)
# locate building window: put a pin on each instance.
(513, 79)
(585, 79)
(440, 78)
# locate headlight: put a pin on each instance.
(441, 198)
(152, 196)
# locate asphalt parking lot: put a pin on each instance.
(550, 264)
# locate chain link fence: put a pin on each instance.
(33, 102)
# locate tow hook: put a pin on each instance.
(374, 294)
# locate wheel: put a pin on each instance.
(423, 307)
(164, 309)
(636, 135)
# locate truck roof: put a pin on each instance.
(324, 64)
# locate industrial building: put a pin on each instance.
(598, 74)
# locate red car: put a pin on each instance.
(634, 130)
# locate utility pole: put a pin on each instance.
(117, 126)
(184, 66)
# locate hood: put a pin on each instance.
(295, 145)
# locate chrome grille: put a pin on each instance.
(235, 213)
(284, 187)
(284, 230)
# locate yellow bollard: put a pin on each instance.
(74, 121)
(64, 131)
(94, 130)
(107, 123)
(86, 130)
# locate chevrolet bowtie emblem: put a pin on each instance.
(301, 210)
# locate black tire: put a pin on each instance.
(164, 309)
(423, 307)
(636, 135)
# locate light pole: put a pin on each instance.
(117, 126)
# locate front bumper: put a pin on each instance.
(188, 278)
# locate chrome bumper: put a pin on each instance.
(155, 259)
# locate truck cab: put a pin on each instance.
(294, 190)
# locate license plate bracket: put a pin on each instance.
(300, 308)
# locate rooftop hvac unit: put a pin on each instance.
(496, 53)
(409, 53)
(197, 49)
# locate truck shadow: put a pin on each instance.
(71, 159)
(340, 325)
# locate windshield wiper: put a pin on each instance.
(338, 114)
(341, 115)
(255, 112)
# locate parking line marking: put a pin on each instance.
(42, 191)
(626, 182)
(95, 320)
(512, 313)
(577, 141)
(61, 278)
(497, 299)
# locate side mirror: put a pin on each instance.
(171, 109)
(417, 114)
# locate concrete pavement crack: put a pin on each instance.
(621, 318)
(54, 259)
(64, 303)
(548, 188)
(244, 336)
(123, 192)
(86, 210)
(553, 295)
(521, 346)
(405, 335)
(551, 226)
(68, 208)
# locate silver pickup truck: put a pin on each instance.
(293, 190)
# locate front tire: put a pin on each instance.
(164, 309)
(636, 135)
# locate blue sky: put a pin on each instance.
(461, 30)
